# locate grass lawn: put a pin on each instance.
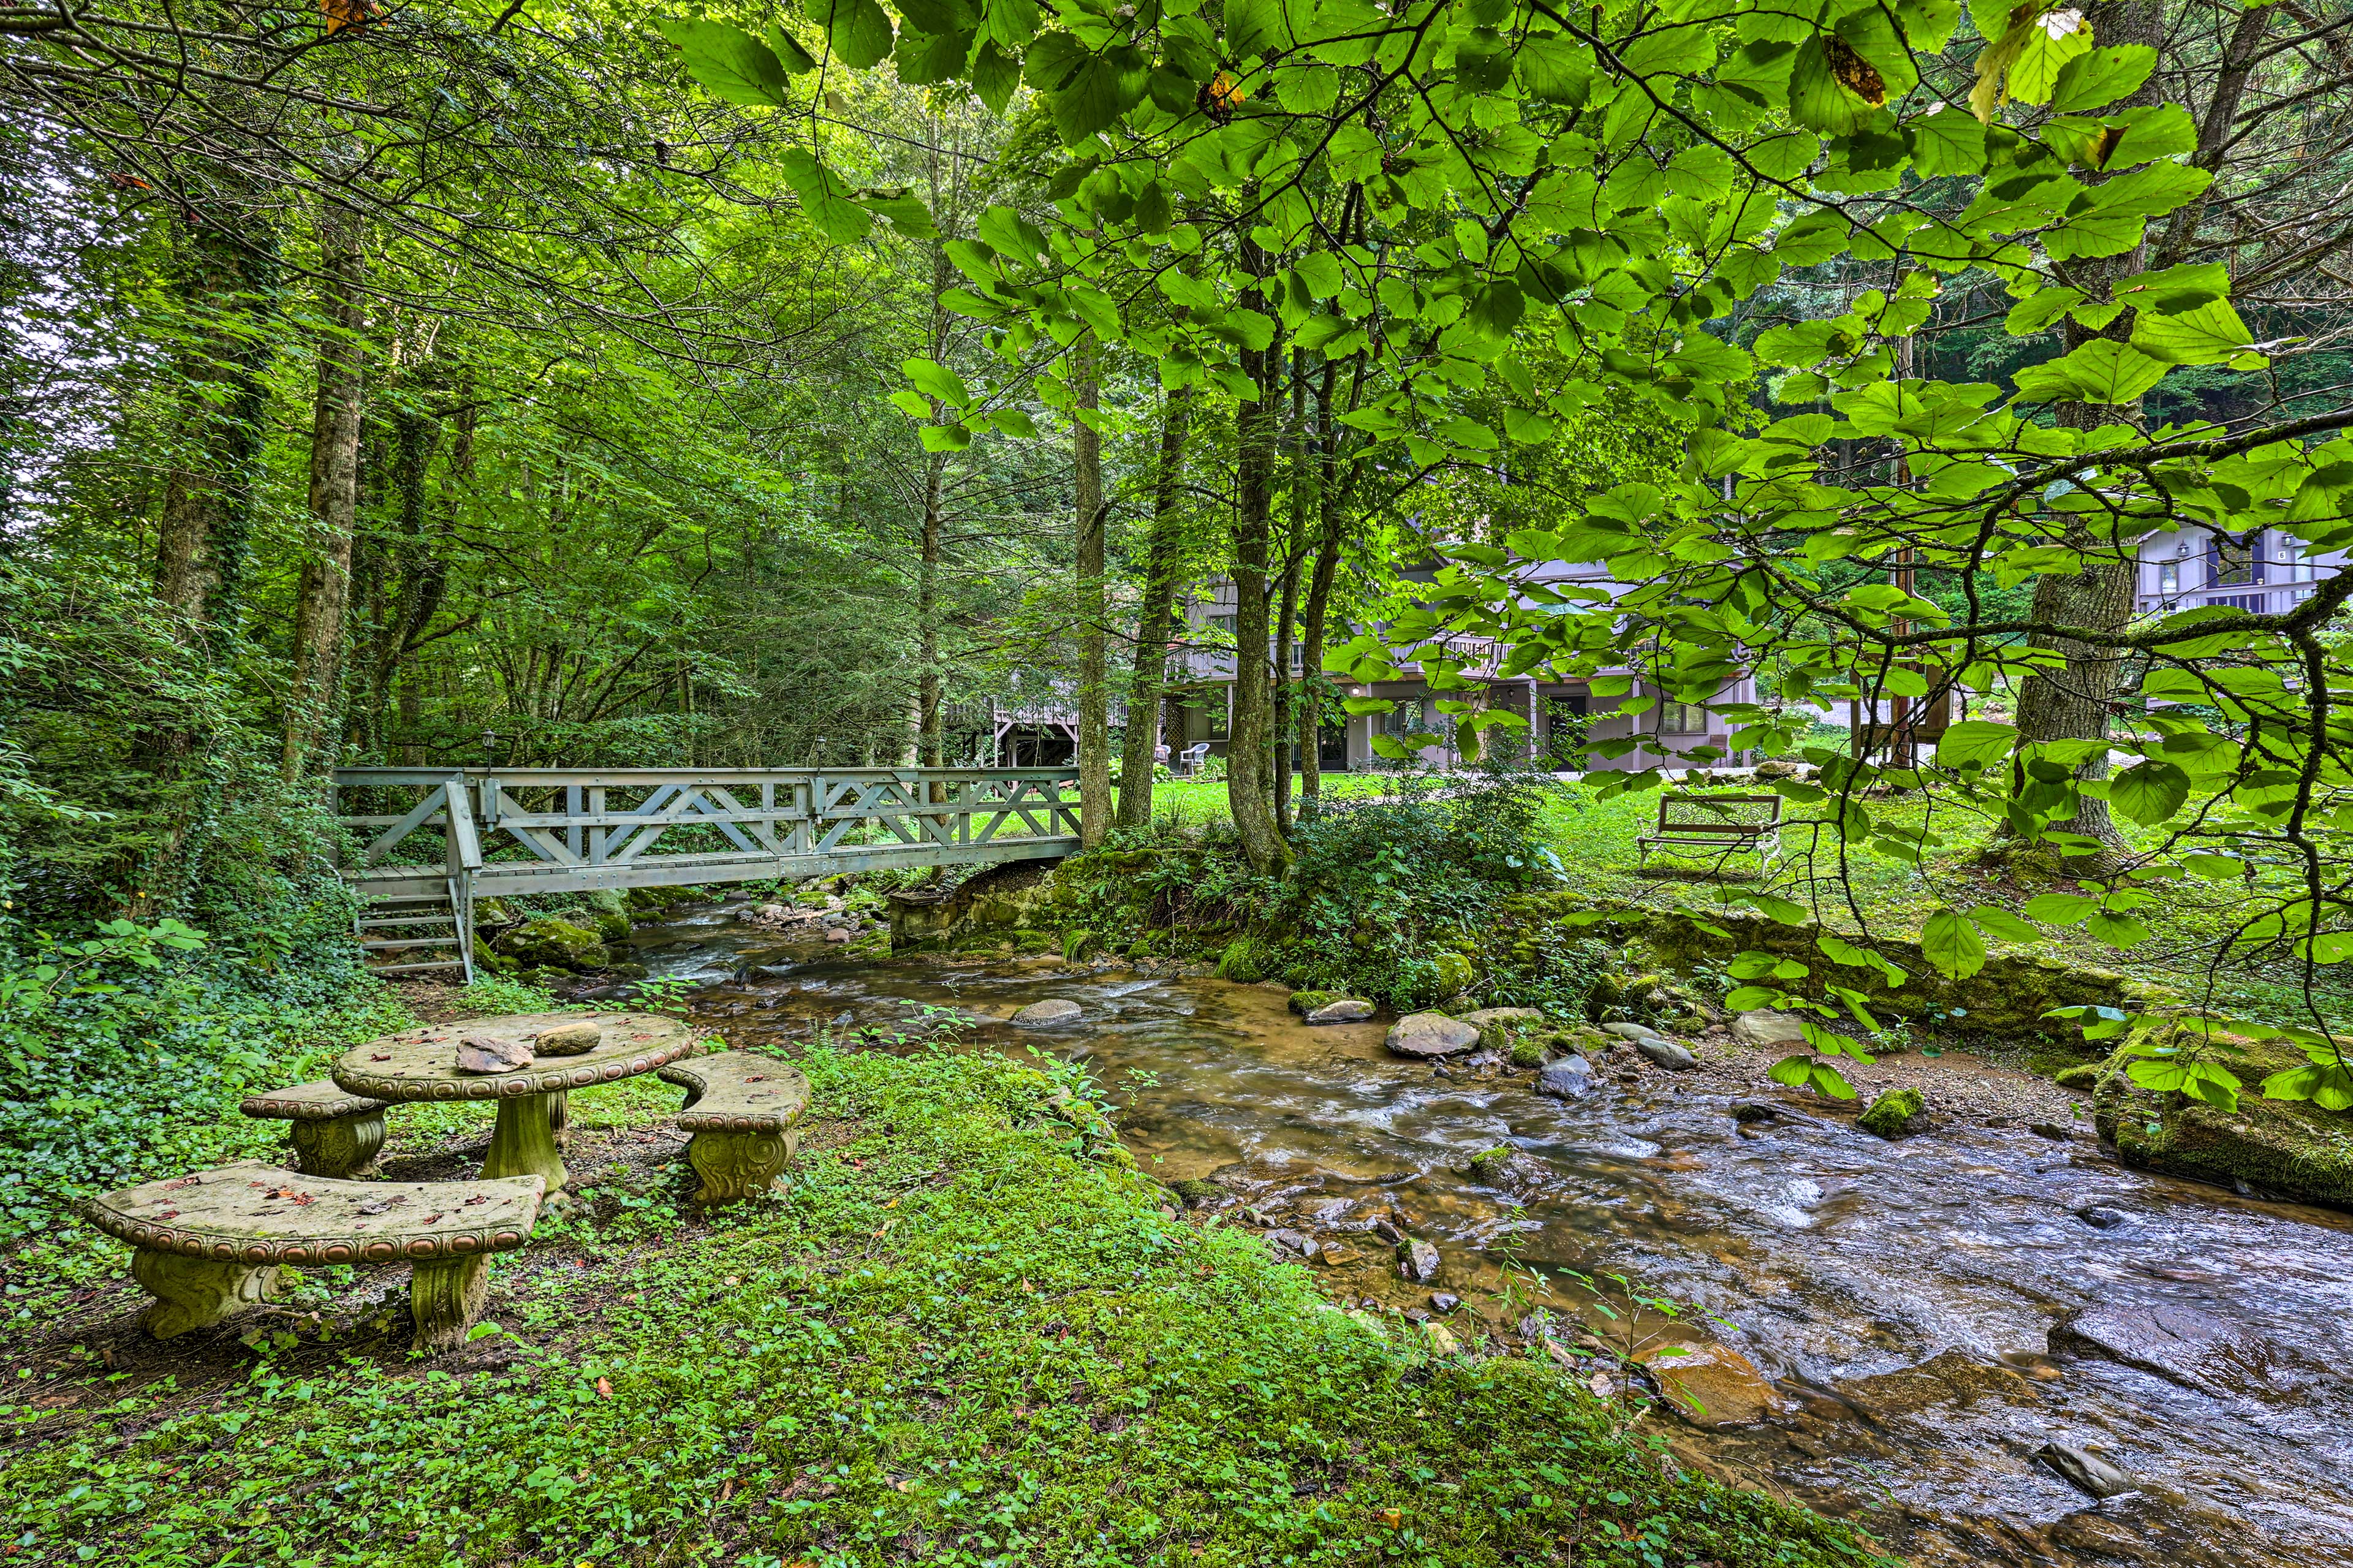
(957, 1338)
(1596, 841)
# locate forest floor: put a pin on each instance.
(954, 1337)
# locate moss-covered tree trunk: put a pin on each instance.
(321, 594)
(1255, 436)
(1094, 697)
(1320, 577)
(1153, 613)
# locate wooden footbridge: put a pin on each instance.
(435, 839)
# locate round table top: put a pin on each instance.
(422, 1064)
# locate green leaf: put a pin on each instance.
(1950, 943)
(995, 74)
(1997, 922)
(2116, 930)
(1949, 141)
(945, 437)
(1975, 743)
(2102, 371)
(1793, 1072)
(823, 197)
(1819, 100)
(2061, 908)
(1748, 998)
(857, 30)
(2149, 792)
(730, 63)
(937, 381)
(2209, 334)
(2099, 76)
(907, 214)
(912, 403)
(1015, 423)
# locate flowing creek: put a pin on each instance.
(1901, 1296)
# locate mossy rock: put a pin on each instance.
(1243, 962)
(1529, 1051)
(643, 902)
(490, 961)
(1488, 1168)
(1454, 972)
(2081, 1075)
(1193, 1192)
(1891, 1114)
(1305, 1001)
(1030, 940)
(2292, 1148)
(551, 943)
(1079, 944)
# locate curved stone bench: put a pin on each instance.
(335, 1132)
(744, 1112)
(211, 1244)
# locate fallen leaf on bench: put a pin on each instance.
(382, 1058)
(478, 1198)
(189, 1181)
(429, 1219)
(375, 1206)
(169, 1213)
(291, 1195)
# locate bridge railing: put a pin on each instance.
(550, 829)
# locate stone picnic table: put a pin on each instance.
(417, 1065)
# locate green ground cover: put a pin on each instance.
(957, 1338)
(1595, 839)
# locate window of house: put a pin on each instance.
(1682, 719)
(2235, 565)
(2169, 576)
(1224, 623)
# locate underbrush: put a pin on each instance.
(1387, 898)
(952, 1338)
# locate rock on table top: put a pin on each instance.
(423, 1063)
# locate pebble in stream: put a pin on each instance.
(1902, 1298)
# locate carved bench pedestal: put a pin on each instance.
(196, 1292)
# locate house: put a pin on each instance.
(1561, 715)
(2188, 570)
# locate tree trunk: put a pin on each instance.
(1094, 697)
(320, 596)
(2073, 704)
(927, 619)
(1151, 619)
(1319, 594)
(205, 530)
(1256, 432)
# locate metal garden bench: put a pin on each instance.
(1726, 825)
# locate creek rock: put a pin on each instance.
(2086, 1471)
(1496, 1025)
(2293, 1148)
(493, 1053)
(2185, 1344)
(2101, 1217)
(567, 1039)
(1454, 972)
(1712, 1386)
(551, 942)
(1430, 1034)
(1571, 1078)
(1418, 1260)
(1891, 1114)
(1305, 1001)
(1665, 1053)
(837, 934)
(1631, 1032)
(1769, 1031)
(1054, 1013)
(1341, 1010)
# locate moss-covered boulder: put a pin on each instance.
(1305, 1001)
(1891, 1115)
(551, 943)
(645, 904)
(1453, 973)
(2291, 1147)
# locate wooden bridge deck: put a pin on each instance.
(478, 832)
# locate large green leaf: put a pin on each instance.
(2102, 371)
(2098, 78)
(824, 197)
(1975, 743)
(2149, 792)
(1950, 943)
(729, 63)
(857, 30)
(2209, 334)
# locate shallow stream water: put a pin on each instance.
(1902, 1298)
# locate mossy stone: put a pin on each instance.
(1891, 1113)
(1305, 1001)
(2083, 1075)
(1454, 972)
(1530, 1051)
(1195, 1192)
(551, 943)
